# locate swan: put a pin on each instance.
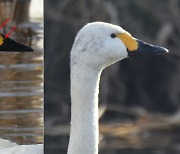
(96, 46)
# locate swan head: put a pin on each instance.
(100, 44)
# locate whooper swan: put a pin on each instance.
(96, 46)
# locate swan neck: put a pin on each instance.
(84, 133)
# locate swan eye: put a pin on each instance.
(113, 35)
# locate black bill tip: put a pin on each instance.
(10, 45)
(147, 49)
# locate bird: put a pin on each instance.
(96, 46)
(9, 45)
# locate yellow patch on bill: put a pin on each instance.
(130, 43)
(1, 40)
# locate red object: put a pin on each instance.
(4, 23)
(12, 30)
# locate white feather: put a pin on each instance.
(7, 147)
(92, 51)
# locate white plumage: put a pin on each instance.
(93, 50)
(96, 46)
(7, 147)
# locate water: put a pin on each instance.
(21, 77)
(21, 97)
(124, 130)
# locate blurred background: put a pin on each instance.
(139, 96)
(21, 74)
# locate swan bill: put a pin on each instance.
(9, 45)
(147, 49)
(130, 43)
(138, 47)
